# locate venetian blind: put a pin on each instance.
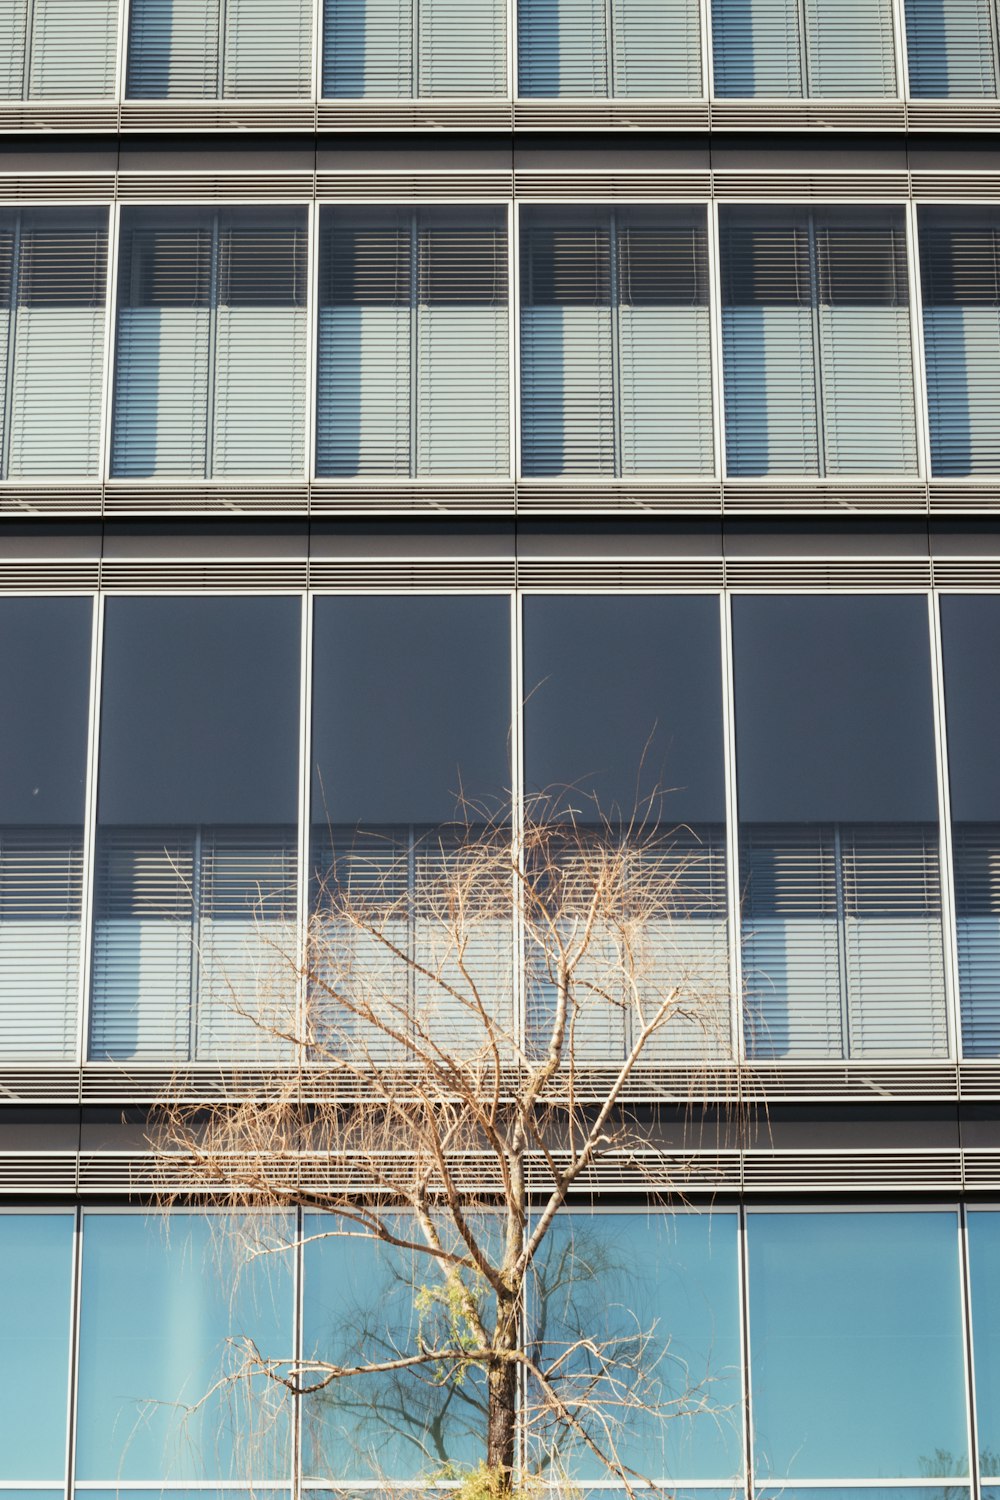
(824, 48)
(951, 49)
(621, 48)
(400, 49)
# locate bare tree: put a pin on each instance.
(449, 1099)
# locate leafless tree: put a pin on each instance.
(447, 1100)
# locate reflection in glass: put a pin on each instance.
(856, 1350)
(363, 1301)
(36, 1278)
(839, 851)
(584, 48)
(206, 49)
(951, 49)
(45, 693)
(776, 49)
(194, 898)
(984, 1278)
(970, 629)
(158, 1303)
(411, 727)
(641, 749)
(662, 1291)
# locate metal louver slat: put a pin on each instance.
(657, 48)
(368, 49)
(13, 34)
(850, 49)
(562, 48)
(73, 49)
(173, 49)
(462, 48)
(143, 944)
(949, 49)
(41, 882)
(757, 49)
(268, 46)
(976, 848)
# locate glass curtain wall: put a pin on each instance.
(785, 49)
(413, 357)
(411, 714)
(219, 49)
(45, 649)
(616, 365)
(194, 899)
(210, 370)
(817, 350)
(646, 767)
(970, 629)
(839, 861)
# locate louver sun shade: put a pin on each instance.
(816, 342)
(824, 48)
(195, 874)
(413, 343)
(402, 49)
(616, 373)
(960, 287)
(58, 49)
(45, 690)
(210, 368)
(210, 49)
(53, 276)
(839, 848)
(951, 49)
(599, 48)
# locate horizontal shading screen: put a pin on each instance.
(399, 49)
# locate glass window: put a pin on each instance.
(662, 1291)
(159, 1301)
(971, 647)
(211, 49)
(195, 880)
(816, 341)
(951, 49)
(984, 1277)
(641, 747)
(413, 342)
(856, 1353)
(410, 758)
(824, 48)
(58, 49)
(609, 48)
(842, 943)
(616, 369)
(53, 276)
(960, 285)
(45, 647)
(210, 365)
(398, 49)
(36, 1274)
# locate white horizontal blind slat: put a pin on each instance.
(657, 48)
(363, 401)
(976, 849)
(268, 48)
(949, 49)
(368, 49)
(962, 351)
(462, 48)
(757, 49)
(666, 390)
(462, 381)
(868, 401)
(562, 48)
(260, 391)
(160, 422)
(41, 884)
(567, 392)
(56, 400)
(13, 35)
(73, 49)
(850, 49)
(173, 50)
(770, 390)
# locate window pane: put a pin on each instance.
(816, 341)
(413, 342)
(197, 804)
(838, 827)
(857, 1365)
(960, 282)
(159, 1300)
(984, 1276)
(950, 49)
(45, 690)
(392, 49)
(360, 1302)
(621, 291)
(210, 353)
(176, 49)
(774, 48)
(563, 48)
(663, 1289)
(36, 1273)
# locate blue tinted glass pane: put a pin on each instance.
(158, 1302)
(615, 1278)
(360, 1302)
(856, 1345)
(36, 1277)
(984, 1275)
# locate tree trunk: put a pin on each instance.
(501, 1385)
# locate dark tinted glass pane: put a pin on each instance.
(833, 709)
(959, 257)
(262, 263)
(45, 692)
(765, 258)
(623, 701)
(411, 708)
(565, 260)
(861, 258)
(165, 259)
(462, 260)
(857, 1362)
(364, 258)
(662, 264)
(971, 638)
(200, 711)
(64, 259)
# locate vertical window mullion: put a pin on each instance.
(416, 247)
(110, 342)
(715, 334)
(512, 231)
(8, 398)
(415, 79)
(29, 39)
(211, 395)
(732, 829)
(815, 292)
(74, 1349)
(968, 1329)
(609, 47)
(305, 823)
(90, 827)
(519, 954)
(220, 51)
(920, 397)
(945, 842)
(312, 339)
(614, 300)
